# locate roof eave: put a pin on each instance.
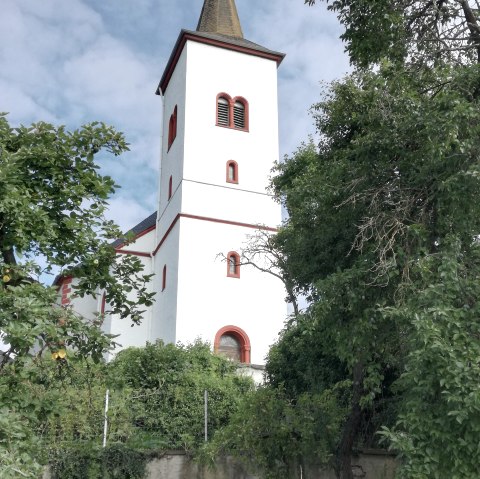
(188, 35)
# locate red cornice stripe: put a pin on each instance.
(228, 222)
(170, 228)
(212, 220)
(134, 253)
(208, 41)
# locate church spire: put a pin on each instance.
(220, 16)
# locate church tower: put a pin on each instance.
(219, 143)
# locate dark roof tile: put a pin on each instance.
(139, 228)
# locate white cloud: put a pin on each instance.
(76, 61)
(126, 212)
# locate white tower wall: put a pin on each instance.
(207, 216)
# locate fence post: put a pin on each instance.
(105, 424)
(206, 414)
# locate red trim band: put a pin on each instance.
(134, 253)
(193, 217)
(228, 222)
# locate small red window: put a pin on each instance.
(164, 277)
(232, 172)
(172, 127)
(170, 187)
(233, 265)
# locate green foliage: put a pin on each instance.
(16, 446)
(272, 434)
(381, 236)
(439, 422)
(116, 461)
(156, 403)
(52, 209)
(413, 31)
(166, 384)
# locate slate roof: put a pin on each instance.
(241, 42)
(220, 16)
(139, 228)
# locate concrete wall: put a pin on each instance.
(371, 464)
(177, 466)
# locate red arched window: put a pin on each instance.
(170, 187)
(232, 172)
(232, 112)
(223, 109)
(233, 265)
(233, 342)
(172, 127)
(164, 277)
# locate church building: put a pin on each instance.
(219, 143)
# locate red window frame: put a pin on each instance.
(236, 257)
(170, 187)
(231, 104)
(164, 277)
(241, 335)
(172, 128)
(234, 164)
(103, 304)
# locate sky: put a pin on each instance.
(75, 61)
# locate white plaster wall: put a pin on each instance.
(163, 324)
(172, 160)
(144, 243)
(128, 333)
(86, 307)
(208, 299)
(230, 204)
(213, 70)
(169, 213)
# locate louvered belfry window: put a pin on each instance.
(239, 115)
(223, 107)
(232, 112)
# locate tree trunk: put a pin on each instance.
(350, 429)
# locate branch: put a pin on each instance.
(472, 25)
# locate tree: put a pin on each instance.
(168, 384)
(391, 189)
(277, 437)
(420, 33)
(156, 403)
(52, 206)
(381, 235)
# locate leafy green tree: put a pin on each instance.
(166, 384)
(156, 403)
(392, 187)
(376, 213)
(421, 33)
(52, 210)
(274, 436)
